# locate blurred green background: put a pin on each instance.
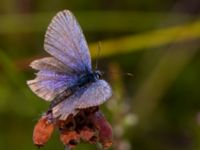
(156, 40)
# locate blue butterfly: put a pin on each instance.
(66, 79)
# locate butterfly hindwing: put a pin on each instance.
(92, 95)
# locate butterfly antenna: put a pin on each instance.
(127, 74)
(98, 54)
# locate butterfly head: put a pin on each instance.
(97, 74)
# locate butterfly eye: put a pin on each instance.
(98, 76)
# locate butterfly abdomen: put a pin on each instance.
(62, 96)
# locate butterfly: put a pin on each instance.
(66, 78)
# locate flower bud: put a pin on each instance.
(42, 131)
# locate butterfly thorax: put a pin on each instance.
(89, 77)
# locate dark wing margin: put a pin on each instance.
(65, 41)
(93, 95)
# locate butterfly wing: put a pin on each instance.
(53, 78)
(65, 41)
(92, 95)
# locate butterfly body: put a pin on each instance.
(82, 81)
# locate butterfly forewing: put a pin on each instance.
(65, 41)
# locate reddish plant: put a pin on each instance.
(88, 125)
